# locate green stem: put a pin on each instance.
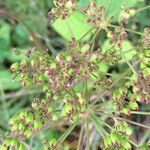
(128, 30)
(67, 132)
(145, 137)
(100, 129)
(4, 105)
(94, 38)
(121, 76)
(141, 9)
(132, 122)
(80, 137)
(140, 113)
(100, 120)
(129, 64)
(87, 135)
(133, 143)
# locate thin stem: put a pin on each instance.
(129, 64)
(94, 38)
(121, 76)
(100, 129)
(133, 143)
(141, 9)
(21, 93)
(140, 113)
(132, 122)
(80, 137)
(87, 135)
(67, 132)
(128, 30)
(4, 105)
(100, 120)
(145, 137)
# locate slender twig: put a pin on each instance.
(129, 64)
(4, 105)
(87, 135)
(140, 113)
(132, 122)
(145, 137)
(141, 9)
(21, 93)
(80, 137)
(128, 30)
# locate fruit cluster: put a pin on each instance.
(117, 36)
(63, 8)
(119, 137)
(126, 14)
(146, 39)
(95, 14)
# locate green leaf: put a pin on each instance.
(75, 22)
(11, 57)
(4, 39)
(21, 35)
(6, 81)
(115, 6)
(133, 105)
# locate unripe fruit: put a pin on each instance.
(128, 131)
(56, 97)
(7, 142)
(38, 124)
(48, 95)
(21, 147)
(14, 67)
(133, 105)
(22, 126)
(23, 63)
(23, 115)
(33, 64)
(29, 118)
(114, 106)
(14, 143)
(53, 142)
(55, 117)
(107, 141)
(69, 4)
(63, 113)
(114, 137)
(27, 133)
(50, 110)
(68, 108)
(132, 11)
(126, 111)
(53, 66)
(69, 58)
(82, 101)
(93, 57)
(110, 34)
(126, 144)
(15, 126)
(116, 95)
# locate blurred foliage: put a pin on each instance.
(14, 34)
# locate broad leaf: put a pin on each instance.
(76, 23)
